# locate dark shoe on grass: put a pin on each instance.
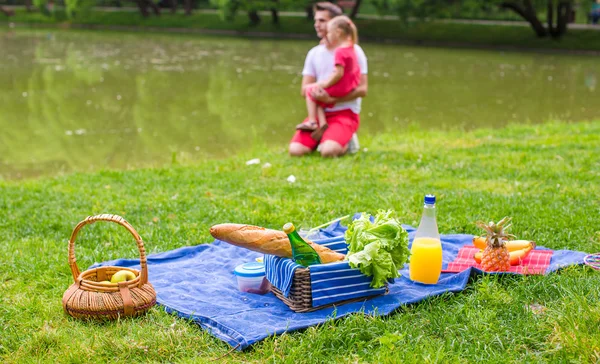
(318, 134)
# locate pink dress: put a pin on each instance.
(345, 57)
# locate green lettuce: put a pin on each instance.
(379, 248)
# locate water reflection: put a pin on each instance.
(83, 101)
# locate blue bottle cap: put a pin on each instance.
(252, 269)
(430, 199)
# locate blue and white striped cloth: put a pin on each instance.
(330, 282)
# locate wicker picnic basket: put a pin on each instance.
(300, 296)
(88, 298)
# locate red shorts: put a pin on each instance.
(342, 124)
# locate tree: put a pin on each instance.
(228, 8)
(528, 10)
(73, 7)
(6, 12)
(355, 8)
(143, 5)
(187, 5)
(558, 12)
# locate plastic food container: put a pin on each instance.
(251, 278)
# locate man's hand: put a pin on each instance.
(321, 95)
(307, 81)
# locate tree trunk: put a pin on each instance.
(274, 12)
(550, 17)
(154, 7)
(143, 8)
(527, 12)
(254, 17)
(563, 14)
(28, 6)
(173, 6)
(275, 16)
(559, 27)
(6, 12)
(187, 4)
(310, 13)
(354, 11)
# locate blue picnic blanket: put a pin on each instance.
(197, 283)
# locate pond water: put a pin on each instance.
(80, 101)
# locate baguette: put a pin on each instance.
(267, 241)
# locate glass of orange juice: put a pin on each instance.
(425, 260)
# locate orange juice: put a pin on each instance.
(426, 260)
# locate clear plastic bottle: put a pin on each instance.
(426, 251)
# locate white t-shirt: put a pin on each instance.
(319, 63)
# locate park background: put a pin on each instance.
(107, 107)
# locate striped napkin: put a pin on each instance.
(330, 282)
(536, 262)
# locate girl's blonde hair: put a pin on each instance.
(347, 26)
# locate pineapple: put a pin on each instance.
(495, 257)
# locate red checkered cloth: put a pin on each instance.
(536, 262)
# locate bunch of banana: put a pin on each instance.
(518, 249)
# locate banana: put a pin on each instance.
(511, 245)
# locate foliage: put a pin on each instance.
(529, 10)
(229, 8)
(74, 7)
(438, 33)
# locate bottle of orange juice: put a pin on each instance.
(426, 251)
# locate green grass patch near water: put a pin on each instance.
(544, 176)
(431, 32)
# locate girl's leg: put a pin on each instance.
(311, 107)
(310, 124)
(318, 134)
(321, 116)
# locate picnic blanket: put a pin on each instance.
(197, 283)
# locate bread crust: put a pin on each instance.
(266, 241)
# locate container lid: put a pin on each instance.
(430, 199)
(252, 269)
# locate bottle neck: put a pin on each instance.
(295, 237)
(429, 210)
(428, 225)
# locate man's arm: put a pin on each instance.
(359, 91)
(306, 80)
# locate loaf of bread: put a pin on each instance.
(266, 241)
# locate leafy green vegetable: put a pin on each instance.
(379, 248)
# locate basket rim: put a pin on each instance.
(95, 286)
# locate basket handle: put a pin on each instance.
(110, 218)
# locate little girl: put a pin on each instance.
(341, 34)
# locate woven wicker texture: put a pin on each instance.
(300, 297)
(89, 298)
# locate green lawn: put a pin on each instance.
(428, 33)
(544, 176)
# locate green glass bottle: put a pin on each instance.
(302, 252)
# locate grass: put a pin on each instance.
(544, 176)
(436, 33)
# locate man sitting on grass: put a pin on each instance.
(343, 118)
